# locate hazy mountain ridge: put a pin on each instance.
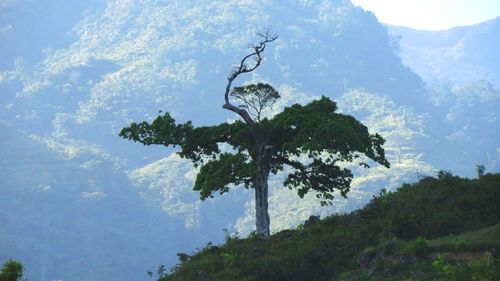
(58, 215)
(456, 56)
(463, 84)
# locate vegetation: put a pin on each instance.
(12, 271)
(445, 228)
(268, 145)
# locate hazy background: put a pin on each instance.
(79, 203)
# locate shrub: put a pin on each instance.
(11, 271)
(417, 247)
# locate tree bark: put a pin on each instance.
(261, 204)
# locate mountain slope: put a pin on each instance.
(125, 61)
(463, 82)
(70, 221)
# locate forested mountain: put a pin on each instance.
(69, 84)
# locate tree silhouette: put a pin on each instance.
(262, 146)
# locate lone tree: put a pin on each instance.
(266, 145)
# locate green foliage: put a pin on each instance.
(437, 207)
(12, 271)
(218, 174)
(392, 238)
(300, 227)
(314, 130)
(445, 271)
(256, 97)
(485, 238)
(417, 247)
(253, 235)
(183, 257)
(446, 176)
(460, 245)
(161, 271)
(484, 269)
(229, 258)
(230, 237)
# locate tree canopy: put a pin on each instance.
(255, 98)
(327, 138)
(261, 146)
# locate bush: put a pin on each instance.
(11, 271)
(483, 269)
(417, 247)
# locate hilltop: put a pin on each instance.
(445, 228)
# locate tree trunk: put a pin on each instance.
(261, 207)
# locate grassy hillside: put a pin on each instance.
(443, 228)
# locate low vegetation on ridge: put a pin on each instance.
(444, 228)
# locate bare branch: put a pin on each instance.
(245, 67)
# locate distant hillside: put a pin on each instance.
(457, 55)
(70, 221)
(419, 232)
(460, 67)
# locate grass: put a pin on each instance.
(454, 257)
(484, 239)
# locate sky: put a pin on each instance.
(432, 14)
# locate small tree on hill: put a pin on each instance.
(266, 145)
